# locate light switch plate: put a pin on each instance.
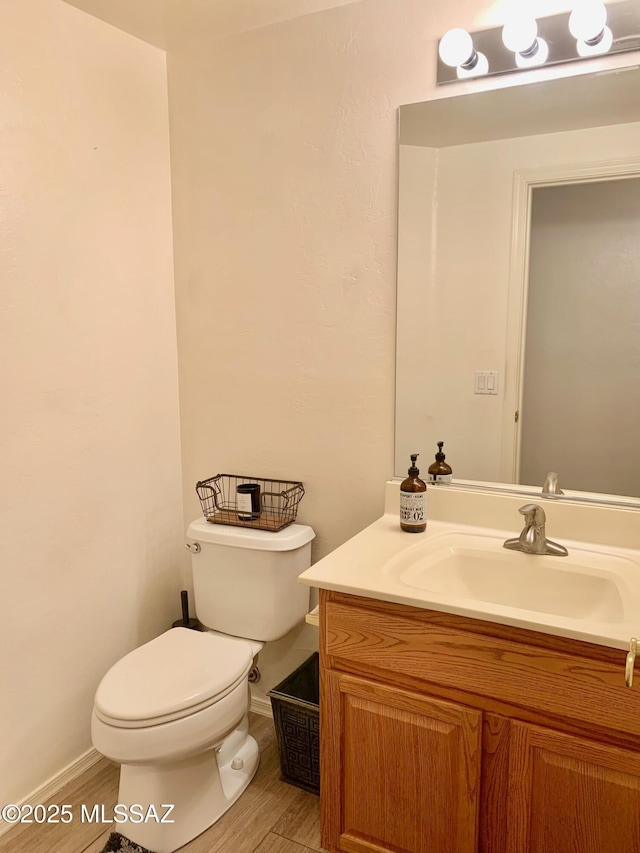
(486, 382)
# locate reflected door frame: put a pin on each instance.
(524, 183)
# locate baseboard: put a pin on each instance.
(261, 706)
(56, 783)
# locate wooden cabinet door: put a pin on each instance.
(571, 795)
(400, 772)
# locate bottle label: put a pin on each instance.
(413, 507)
(243, 502)
(441, 478)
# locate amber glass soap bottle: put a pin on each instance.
(413, 500)
(440, 471)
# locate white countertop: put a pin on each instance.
(361, 566)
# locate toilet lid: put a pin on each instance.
(177, 671)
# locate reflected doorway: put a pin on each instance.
(580, 399)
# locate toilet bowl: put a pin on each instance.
(174, 712)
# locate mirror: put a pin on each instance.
(490, 303)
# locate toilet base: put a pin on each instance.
(200, 788)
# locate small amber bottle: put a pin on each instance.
(413, 500)
(439, 471)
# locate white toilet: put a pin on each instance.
(174, 712)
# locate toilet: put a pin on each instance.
(174, 712)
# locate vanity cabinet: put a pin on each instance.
(442, 734)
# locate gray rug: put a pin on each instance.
(119, 844)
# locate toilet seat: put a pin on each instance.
(173, 676)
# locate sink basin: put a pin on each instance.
(586, 585)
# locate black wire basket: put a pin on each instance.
(275, 502)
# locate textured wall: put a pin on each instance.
(284, 184)
(90, 507)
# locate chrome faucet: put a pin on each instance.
(551, 485)
(533, 539)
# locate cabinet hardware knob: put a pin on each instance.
(631, 659)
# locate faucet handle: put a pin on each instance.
(551, 485)
(533, 515)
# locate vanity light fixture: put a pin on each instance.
(457, 51)
(593, 28)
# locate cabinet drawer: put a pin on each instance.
(575, 686)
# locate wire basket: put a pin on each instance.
(276, 507)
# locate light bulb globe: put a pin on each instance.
(603, 45)
(480, 68)
(587, 21)
(519, 35)
(456, 47)
(538, 58)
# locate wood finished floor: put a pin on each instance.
(270, 817)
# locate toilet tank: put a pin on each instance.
(245, 581)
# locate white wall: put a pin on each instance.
(90, 508)
(284, 172)
(460, 299)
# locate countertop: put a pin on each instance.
(361, 567)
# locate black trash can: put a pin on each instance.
(296, 706)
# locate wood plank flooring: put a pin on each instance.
(270, 817)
